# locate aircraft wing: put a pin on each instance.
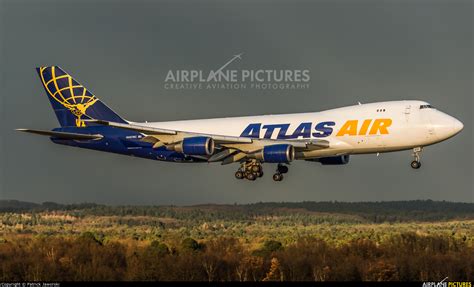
(230, 146)
(133, 127)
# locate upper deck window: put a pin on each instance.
(426, 107)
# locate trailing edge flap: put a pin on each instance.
(233, 158)
(63, 135)
(222, 155)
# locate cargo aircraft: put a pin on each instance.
(329, 137)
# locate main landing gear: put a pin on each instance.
(253, 169)
(416, 164)
(250, 170)
(281, 169)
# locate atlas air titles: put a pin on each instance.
(321, 130)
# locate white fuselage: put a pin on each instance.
(364, 128)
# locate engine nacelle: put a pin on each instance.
(333, 160)
(278, 153)
(195, 146)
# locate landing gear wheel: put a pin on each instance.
(260, 174)
(415, 164)
(251, 176)
(278, 177)
(239, 174)
(256, 168)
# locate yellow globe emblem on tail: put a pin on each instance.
(70, 94)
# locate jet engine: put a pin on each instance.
(195, 146)
(278, 153)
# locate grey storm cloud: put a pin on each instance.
(358, 51)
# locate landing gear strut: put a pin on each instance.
(281, 169)
(250, 170)
(416, 164)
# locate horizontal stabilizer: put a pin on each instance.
(63, 135)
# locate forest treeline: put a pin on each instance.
(375, 212)
(307, 241)
(402, 257)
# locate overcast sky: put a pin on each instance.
(121, 50)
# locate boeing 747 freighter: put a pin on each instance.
(329, 137)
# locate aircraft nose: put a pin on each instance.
(445, 126)
(458, 126)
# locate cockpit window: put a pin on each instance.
(426, 107)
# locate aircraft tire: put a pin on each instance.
(415, 164)
(239, 174)
(278, 177)
(256, 168)
(250, 176)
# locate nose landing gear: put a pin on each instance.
(416, 164)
